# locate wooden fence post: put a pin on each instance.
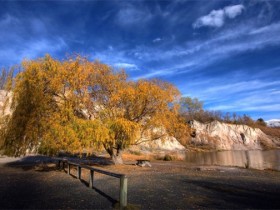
(123, 192)
(91, 177)
(79, 172)
(63, 165)
(122, 177)
(69, 168)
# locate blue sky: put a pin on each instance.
(226, 53)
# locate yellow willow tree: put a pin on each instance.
(29, 105)
(76, 104)
(47, 98)
(135, 112)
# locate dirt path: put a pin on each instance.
(167, 185)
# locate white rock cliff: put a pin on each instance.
(169, 144)
(223, 136)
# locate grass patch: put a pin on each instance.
(135, 152)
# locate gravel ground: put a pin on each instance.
(35, 183)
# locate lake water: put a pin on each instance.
(256, 159)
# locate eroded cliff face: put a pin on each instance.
(169, 144)
(223, 136)
(5, 103)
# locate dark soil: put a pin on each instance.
(36, 183)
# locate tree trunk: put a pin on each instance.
(117, 157)
(115, 154)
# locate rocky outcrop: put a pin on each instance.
(223, 136)
(160, 148)
(5, 102)
(169, 144)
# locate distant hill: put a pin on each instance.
(273, 123)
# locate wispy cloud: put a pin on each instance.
(274, 27)
(112, 55)
(26, 37)
(127, 66)
(8, 19)
(31, 50)
(199, 54)
(221, 88)
(216, 18)
(194, 56)
(236, 107)
(130, 15)
(157, 40)
(239, 96)
(233, 11)
(226, 55)
(152, 74)
(38, 48)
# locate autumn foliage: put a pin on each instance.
(74, 105)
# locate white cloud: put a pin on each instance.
(153, 74)
(193, 55)
(233, 11)
(157, 40)
(198, 54)
(216, 18)
(126, 66)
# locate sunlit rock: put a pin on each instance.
(223, 136)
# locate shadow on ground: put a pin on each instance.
(236, 195)
(20, 182)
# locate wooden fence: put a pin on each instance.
(122, 177)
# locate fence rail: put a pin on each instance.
(122, 177)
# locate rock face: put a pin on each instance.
(223, 136)
(5, 101)
(169, 144)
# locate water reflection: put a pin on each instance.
(256, 159)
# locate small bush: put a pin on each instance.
(167, 157)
